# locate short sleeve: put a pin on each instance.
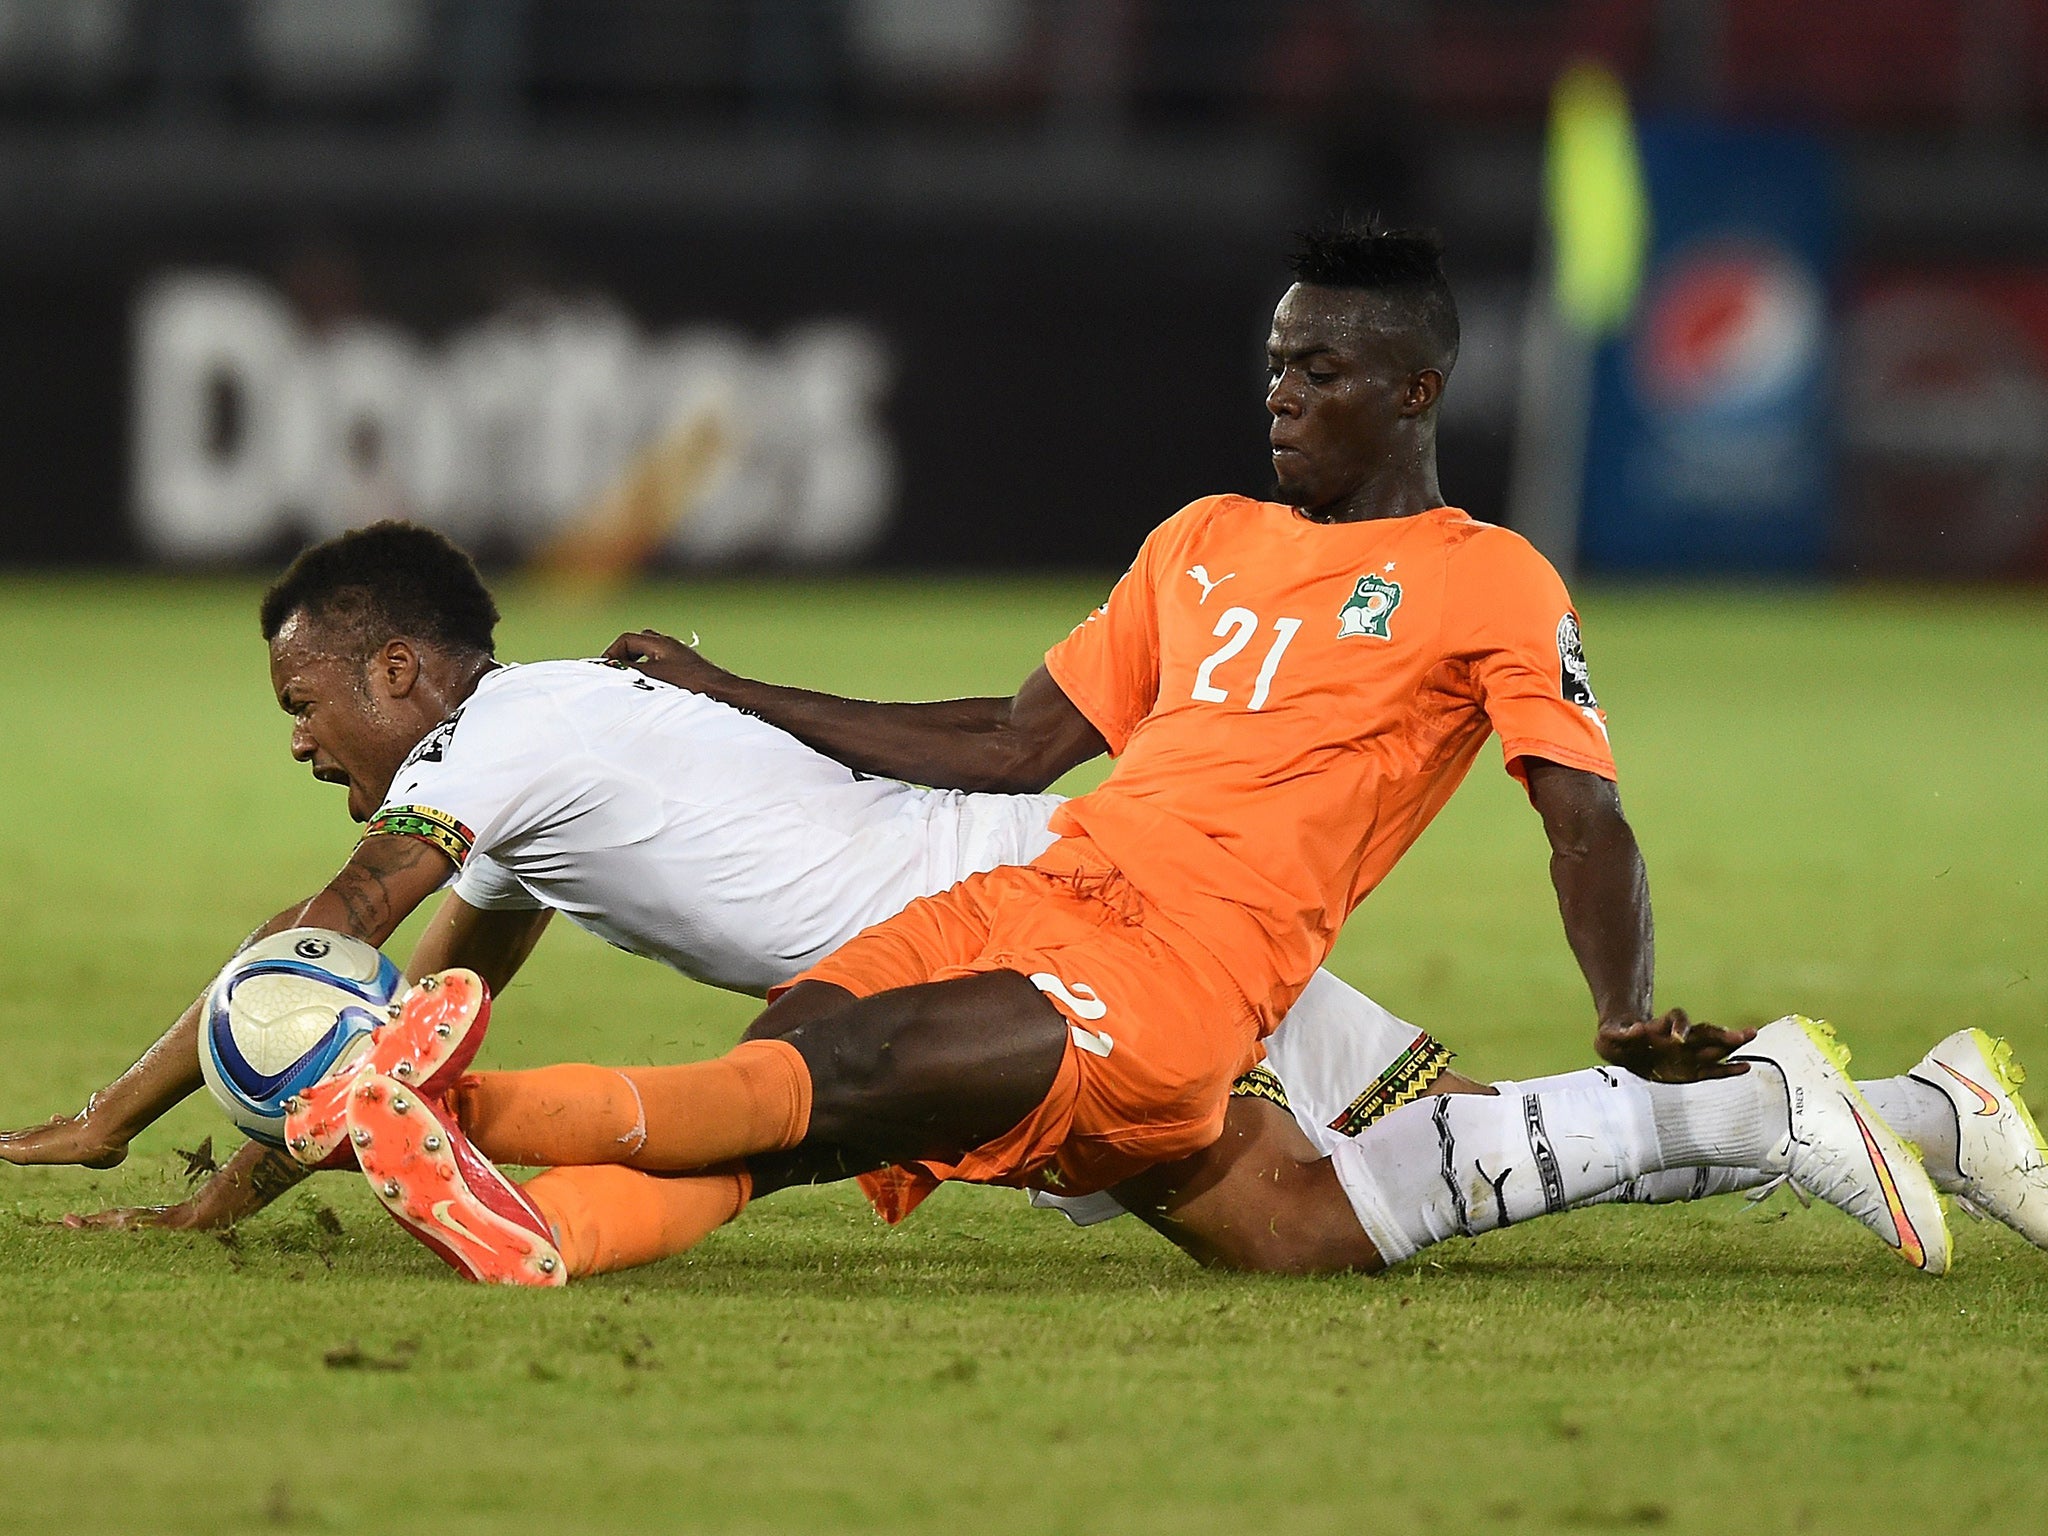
(1109, 665)
(489, 886)
(1520, 638)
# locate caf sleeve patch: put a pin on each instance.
(1574, 680)
(1400, 1083)
(427, 824)
(1262, 1082)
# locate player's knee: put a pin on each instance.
(852, 1069)
(800, 1005)
(859, 1073)
(947, 1067)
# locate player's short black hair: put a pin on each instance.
(388, 581)
(1405, 266)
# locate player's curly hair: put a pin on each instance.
(388, 581)
(1404, 265)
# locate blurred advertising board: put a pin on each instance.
(1711, 441)
(682, 397)
(1945, 425)
(554, 425)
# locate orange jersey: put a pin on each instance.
(1291, 702)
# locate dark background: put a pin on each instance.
(1064, 216)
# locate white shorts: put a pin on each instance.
(1338, 1062)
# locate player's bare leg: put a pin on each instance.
(921, 1071)
(1261, 1197)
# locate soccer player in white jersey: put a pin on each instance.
(681, 829)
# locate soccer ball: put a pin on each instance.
(282, 1014)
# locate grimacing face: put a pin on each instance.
(346, 720)
(1339, 389)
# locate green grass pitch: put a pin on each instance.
(1842, 801)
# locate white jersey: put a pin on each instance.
(680, 828)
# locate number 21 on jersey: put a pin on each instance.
(1236, 628)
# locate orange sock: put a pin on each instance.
(614, 1218)
(754, 1098)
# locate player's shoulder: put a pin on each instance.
(509, 691)
(505, 711)
(1188, 529)
(1225, 511)
(1233, 510)
(1211, 516)
(512, 687)
(1488, 550)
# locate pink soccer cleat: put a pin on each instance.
(316, 1120)
(445, 1192)
(429, 1041)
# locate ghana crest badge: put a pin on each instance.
(1370, 608)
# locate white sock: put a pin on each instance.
(1578, 1078)
(1925, 1116)
(1676, 1184)
(1461, 1164)
(1738, 1122)
(1728, 1122)
(1667, 1187)
(1918, 1111)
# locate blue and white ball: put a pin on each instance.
(282, 1014)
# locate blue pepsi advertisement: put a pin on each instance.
(1710, 445)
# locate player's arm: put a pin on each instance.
(1603, 895)
(1017, 745)
(494, 944)
(491, 942)
(250, 1180)
(383, 881)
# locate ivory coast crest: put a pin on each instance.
(1369, 610)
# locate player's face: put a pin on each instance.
(342, 722)
(1339, 390)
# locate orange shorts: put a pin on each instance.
(1157, 1031)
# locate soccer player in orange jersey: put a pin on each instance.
(1292, 689)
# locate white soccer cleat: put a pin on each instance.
(1998, 1147)
(1840, 1150)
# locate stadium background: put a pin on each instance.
(979, 283)
(868, 337)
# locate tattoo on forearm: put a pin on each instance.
(364, 885)
(359, 898)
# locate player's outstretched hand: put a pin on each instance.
(1673, 1049)
(665, 658)
(71, 1139)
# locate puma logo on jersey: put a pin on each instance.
(1080, 1001)
(1201, 574)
